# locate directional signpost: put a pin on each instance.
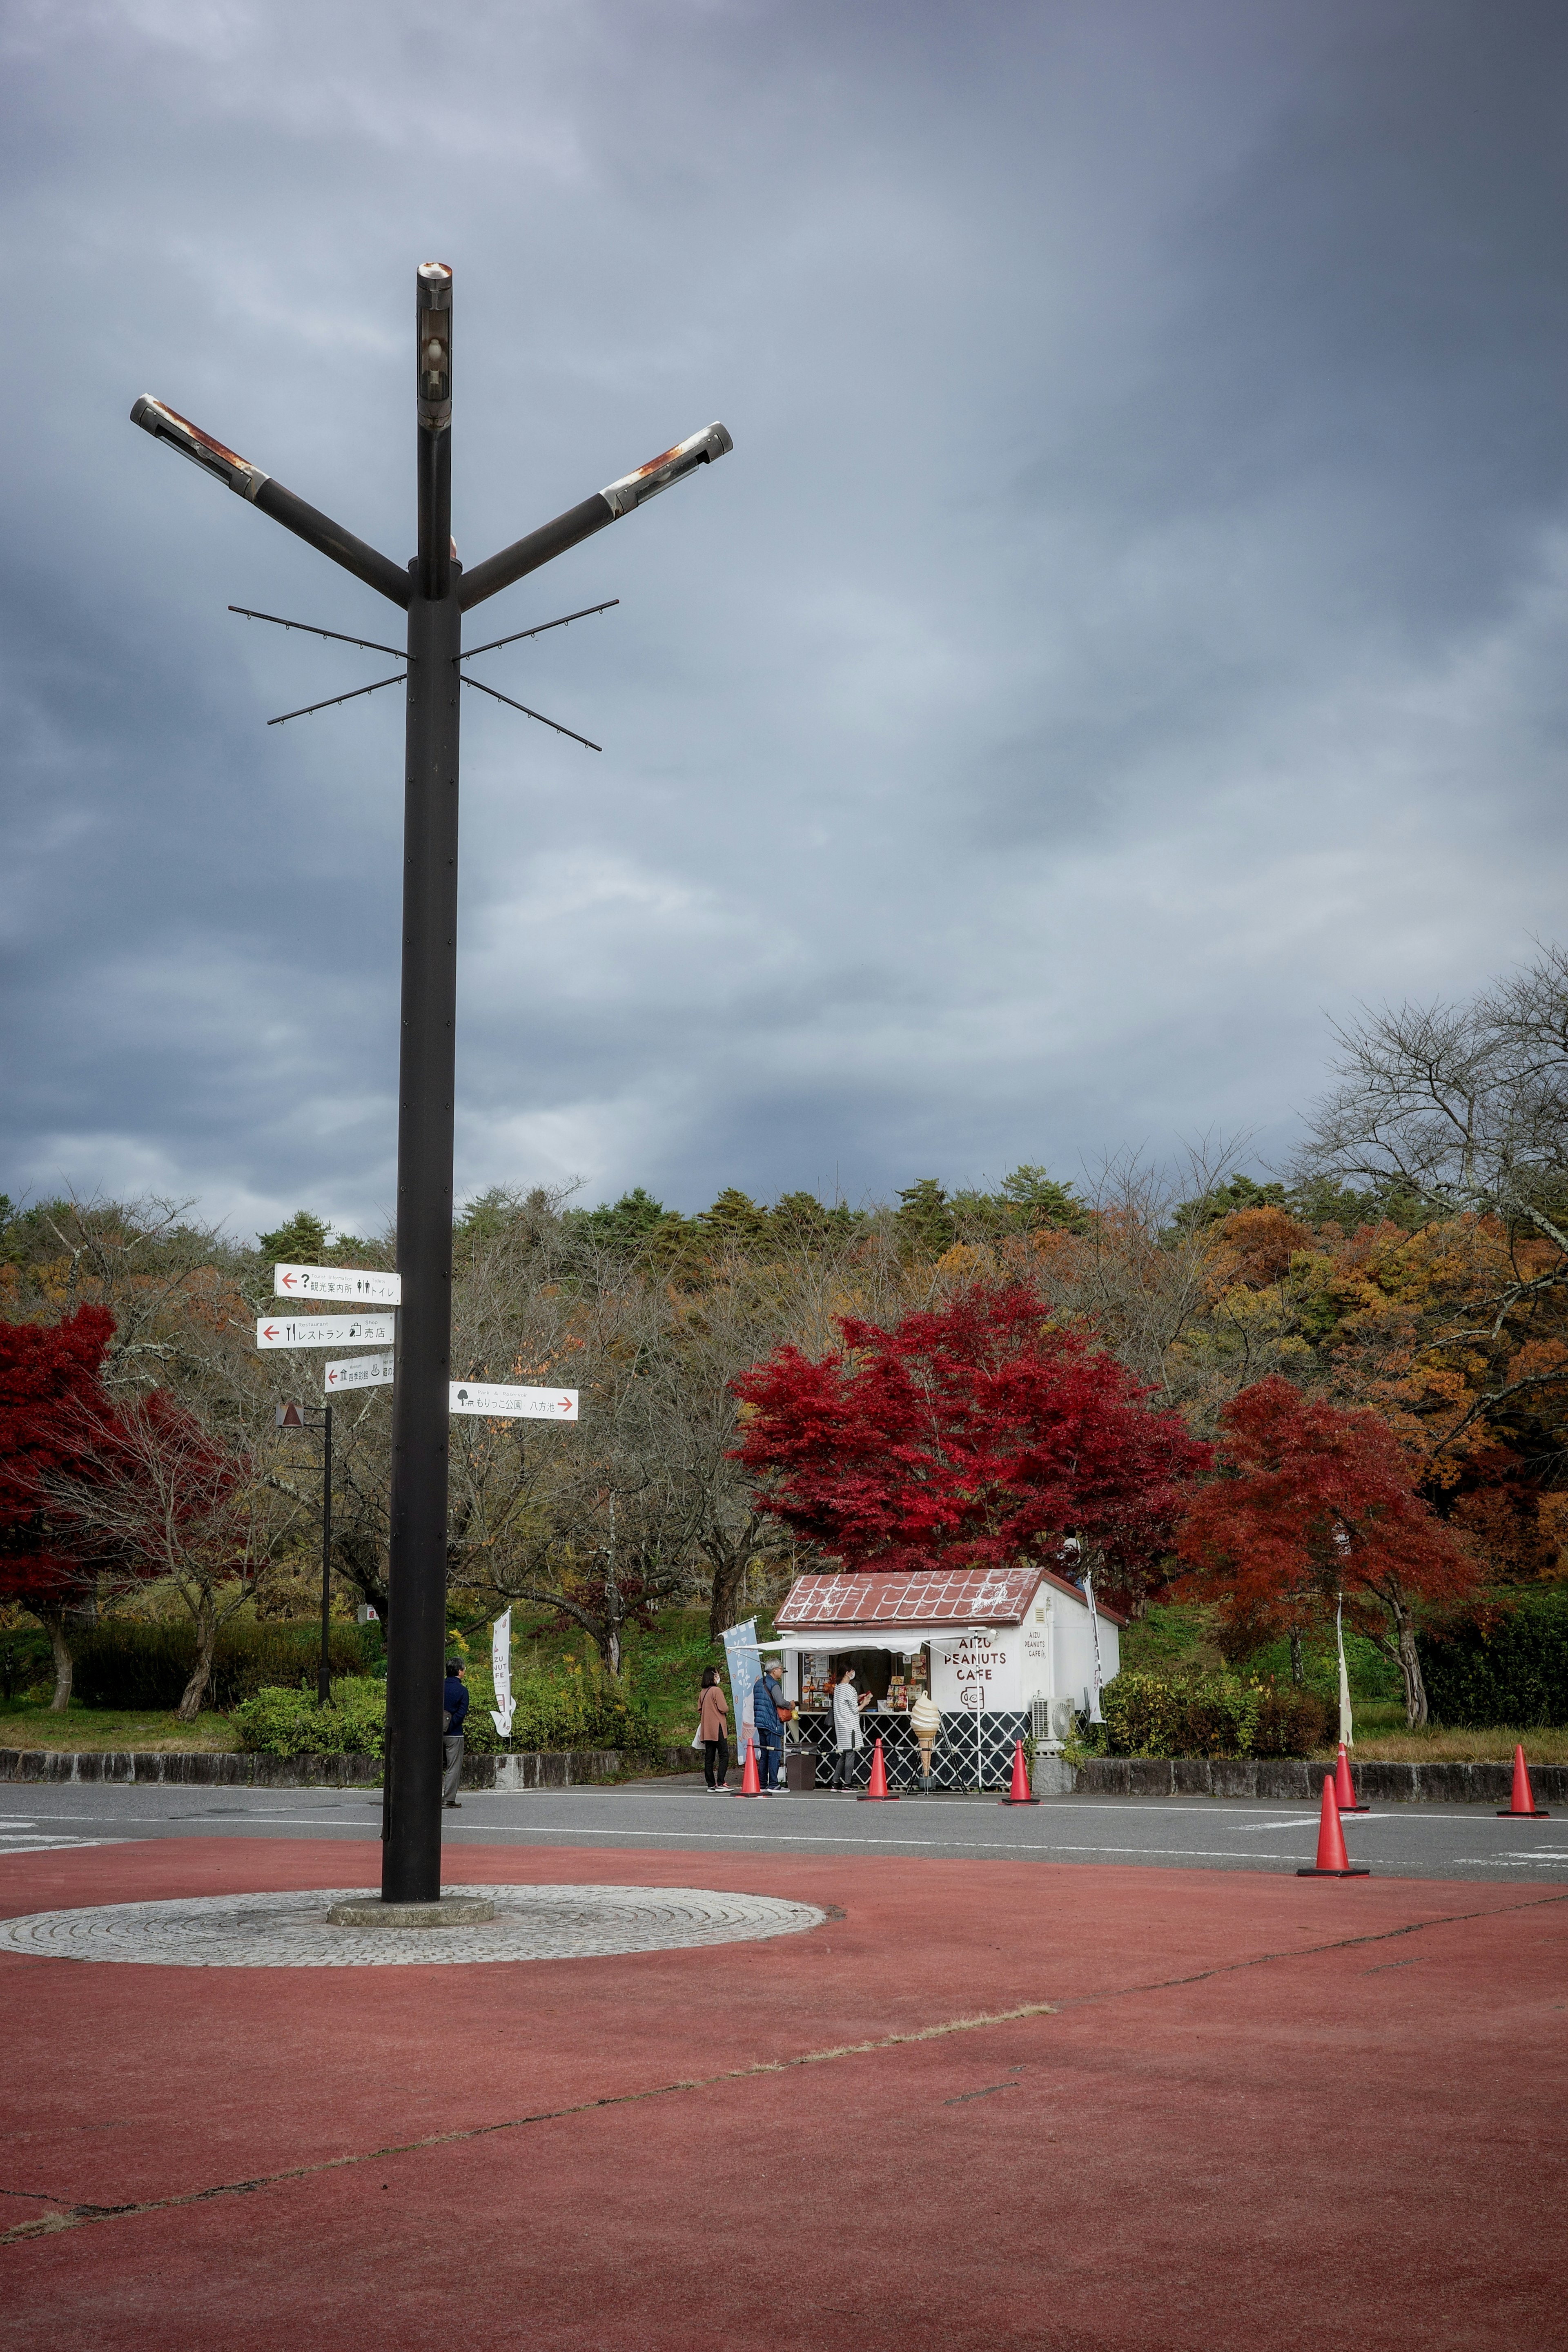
(326, 1331)
(513, 1404)
(359, 1372)
(337, 1282)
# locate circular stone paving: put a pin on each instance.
(292, 1931)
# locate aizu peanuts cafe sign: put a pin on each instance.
(978, 1673)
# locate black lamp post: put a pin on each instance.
(294, 1416)
(435, 593)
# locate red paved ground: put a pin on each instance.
(1350, 2149)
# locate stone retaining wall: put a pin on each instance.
(1289, 1779)
(185, 1769)
(1294, 1780)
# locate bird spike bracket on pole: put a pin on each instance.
(435, 591)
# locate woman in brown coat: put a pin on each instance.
(713, 1727)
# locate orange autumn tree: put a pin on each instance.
(1312, 1500)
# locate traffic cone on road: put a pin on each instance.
(1524, 1807)
(879, 1793)
(1333, 1860)
(1021, 1793)
(751, 1786)
(1344, 1787)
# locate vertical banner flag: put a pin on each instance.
(745, 1660)
(1094, 1714)
(501, 1675)
(1346, 1732)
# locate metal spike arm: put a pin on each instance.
(377, 570)
(435, 592)
(317, 530)
(580, 522)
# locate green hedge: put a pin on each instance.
(1195, 1713)
(290, 1722)
(1512, 1669)
(32, 1660)
(552, 1713)
(125, 1663)
(564, 1711)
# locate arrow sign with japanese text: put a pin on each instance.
(352, 1283)
(359, 1372)
(513, 1404)
(325, 1330)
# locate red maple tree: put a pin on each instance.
(977, 1432)
(51, 1404)
(1313, 1499)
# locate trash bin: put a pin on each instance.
(800, 1768)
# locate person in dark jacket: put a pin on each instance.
(770, 1729)
(455, 1709)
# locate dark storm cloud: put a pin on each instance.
(1128, 625)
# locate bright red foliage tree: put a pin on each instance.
(1312, 1499)
(975, 1431)
(51, 1401)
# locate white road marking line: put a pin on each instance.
(54, 1845)
(294, 1818)
(1206, 1808)
(1497, 1861)
(976, 1845)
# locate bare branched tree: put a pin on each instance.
(158, 1485)
(1462, 1110)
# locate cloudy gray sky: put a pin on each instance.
(1130, 629)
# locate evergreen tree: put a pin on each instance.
(301, 1242)
(924, 1221)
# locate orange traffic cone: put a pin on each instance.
(1333, 1860)
(1524, 1807)
(879, 1793)
(1021, 1793)
(1344, 1787)
(751, 1786)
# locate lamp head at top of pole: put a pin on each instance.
(434, 350)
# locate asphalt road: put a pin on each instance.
(1398, 1840)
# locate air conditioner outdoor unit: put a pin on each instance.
(1051, 1719)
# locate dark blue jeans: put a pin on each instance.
(769, 1758)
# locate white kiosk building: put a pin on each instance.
(1004, 1652)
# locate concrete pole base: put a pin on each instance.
(452, 1911)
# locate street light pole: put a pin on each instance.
(435, 593)
(324, 1671)
(417, 1581)
(294, 1416)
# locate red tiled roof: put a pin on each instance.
(921, 1596)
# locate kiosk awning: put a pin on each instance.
(891, 1599)
(902, 1639)
(924, 1602)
